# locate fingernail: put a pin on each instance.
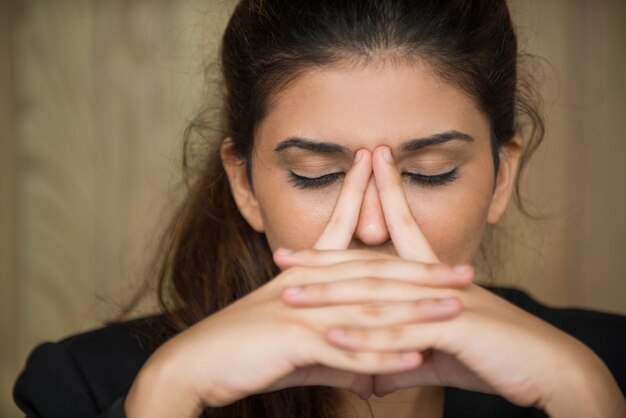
(387, 155)
(293, 290)
(447, 302)
(283, 252)
(408, 357)
(462, 269)
(358, 157)
(338, 333)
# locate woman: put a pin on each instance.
(323, 255)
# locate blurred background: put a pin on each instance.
(94, 96)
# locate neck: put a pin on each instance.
(424, 402)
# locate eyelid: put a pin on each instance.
(433, 180)
(436, 167)
(421, 173)
(314, 182)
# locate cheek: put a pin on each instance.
(453, 221)
(295, 218)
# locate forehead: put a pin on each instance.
(369, 106)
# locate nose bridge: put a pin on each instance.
(372, 228)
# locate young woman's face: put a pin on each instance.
(439, 138)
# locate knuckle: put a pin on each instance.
(318, 291)
(312, 252)
(454, 293)
(395, 333)
(387, 359)
(417, 310)
(307, 254)
(363, 254)
(282, 280)
(387, 185)
(372, 310)
(358, 338)
(372, 285)
(351, 356)
(217, 397)
(337, 221)
(295, 275)
(407, 218)
(294, 326)
(338, 224)
(430, 267)
(375, 267)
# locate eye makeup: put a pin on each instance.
(429, 166)
(314, 182)
(303, 182)
(433, 180)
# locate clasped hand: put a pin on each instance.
(408, 318)
(445, 330)
(372, 323)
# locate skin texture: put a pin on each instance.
(363, 109)
(369, 303)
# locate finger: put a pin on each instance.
(428, 374)
(381, 314)
(340, 228)
(413, 337)
(366, 362)
(285, 259)
(406, 236)
(313, 348)
(320, 279)
(318, 375)
(359, 291)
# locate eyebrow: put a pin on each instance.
(408, 146)
(311, 145)
(435, 139)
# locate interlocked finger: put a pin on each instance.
(380, 314)
(413, 337)
(367, 362)
(314, 257)
(431, 275)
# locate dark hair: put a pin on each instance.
(210, 256)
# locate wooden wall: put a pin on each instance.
(94, 97)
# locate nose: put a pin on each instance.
(371, 229)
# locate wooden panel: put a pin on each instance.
(102, 90)
(602, 186)
(572, 256)
(8, 217)
(56, 149)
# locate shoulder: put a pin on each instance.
(603, 332)
(84, 374)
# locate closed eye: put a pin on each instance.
(304, 182)
(314, 182)
(434, 180)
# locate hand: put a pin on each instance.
(259, 344)
(490, 346)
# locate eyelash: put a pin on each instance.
(436, 180)
(313, 182)
(317, 182)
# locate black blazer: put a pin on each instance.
(88, 375)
